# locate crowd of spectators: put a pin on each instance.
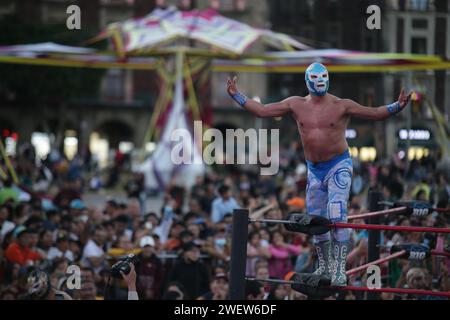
(183, 248)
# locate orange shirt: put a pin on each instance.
(172, 244)
(17, 254)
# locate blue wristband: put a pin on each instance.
(394, 108)
(239, 98)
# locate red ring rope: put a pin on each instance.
(382, 227)
(376, 213)
(390, 257)
(365, 226)
(365, 289)
(376, 262)
(396, 290)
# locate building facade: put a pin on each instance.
(407, 26)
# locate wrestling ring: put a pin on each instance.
(315, 286)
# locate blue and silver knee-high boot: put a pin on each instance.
(323, 250)
(339, 256)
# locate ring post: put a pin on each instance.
(238, 254)
(374, 235)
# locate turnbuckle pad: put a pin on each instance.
(415, 208)
(413, 251)
(312, 285)
(308, 224)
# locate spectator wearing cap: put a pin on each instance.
(150, 271)
(223, 204)
(61, 250)
(296, 204)
(19, 250)
(77, 206)
(191, 272)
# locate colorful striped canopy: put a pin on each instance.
(164, 26)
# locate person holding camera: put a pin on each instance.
(123, 269)
(130, 279)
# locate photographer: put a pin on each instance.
(130, 279)
(123, 269)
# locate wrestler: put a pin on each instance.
(322, 120)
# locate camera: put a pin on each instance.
(123, 265)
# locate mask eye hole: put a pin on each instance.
(325, 75)
(313, 76)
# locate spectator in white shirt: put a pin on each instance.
(93, 253)
(62, 248)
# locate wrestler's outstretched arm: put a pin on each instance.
(356, 110)
(260, 110)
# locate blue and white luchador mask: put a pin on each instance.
(317, 80)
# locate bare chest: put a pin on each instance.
(320, 117)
